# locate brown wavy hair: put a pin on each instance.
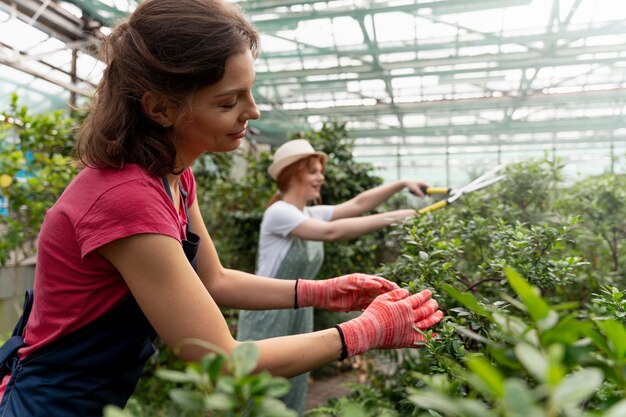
(172, 48)
(292, 171)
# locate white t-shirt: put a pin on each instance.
(279, 220)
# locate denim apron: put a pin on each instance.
(303, 260)
(80, 373)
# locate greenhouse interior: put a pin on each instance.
(432, 96)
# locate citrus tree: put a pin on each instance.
(35, 168)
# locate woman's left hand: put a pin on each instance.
(345, 293)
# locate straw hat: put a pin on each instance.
(290, 152)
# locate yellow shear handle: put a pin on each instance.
(437, 190)
(438, 205)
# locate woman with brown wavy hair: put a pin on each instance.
(124, 254)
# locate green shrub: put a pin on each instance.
(601, 204)
(550, 344)
(219, 384)
(538, 360)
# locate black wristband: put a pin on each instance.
(344, 348)
(295, 297)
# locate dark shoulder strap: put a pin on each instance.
(183, 192)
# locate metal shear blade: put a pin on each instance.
(481, 182)
(454, 194)
(473, 187)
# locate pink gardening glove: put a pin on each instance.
(346, 293)
(390, 322)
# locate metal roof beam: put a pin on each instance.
(606, 123)
(99, 11)
(24, 57)
(290, 19)
(374, 149)
(614, 28)
(481, 63)
(252, 6)
(18, 64)
(610, 98)
(52, 20)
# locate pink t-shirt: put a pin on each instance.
(73, 284)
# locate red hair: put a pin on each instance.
(285, 177)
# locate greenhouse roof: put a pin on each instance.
(436, 89)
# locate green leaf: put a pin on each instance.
(466, 299)
(577, 387)
(556, 370)
(616, 335)
(245, 358)
(533, 360)
(617, 410)
(596, 337)
(473, 408)
(516, 327)
(472, 335)
(214, 367)
(113, 411)
(537, 306)
(433, 400)
(270, 386)
(567, 331)
(518, 399)
(548, 322)
(351, 410)
(219, 401)
(227, 384)
(275, 408)
(488, 374)
(176, 376)
(503, 357)
(188, 399)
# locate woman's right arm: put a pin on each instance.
(179, 307)
(349, 228)
(372, 198)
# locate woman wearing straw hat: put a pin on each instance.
(292, 235)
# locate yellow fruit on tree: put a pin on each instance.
(5, 180)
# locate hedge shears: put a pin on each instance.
(454, 194)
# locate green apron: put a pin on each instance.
(303, 260)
